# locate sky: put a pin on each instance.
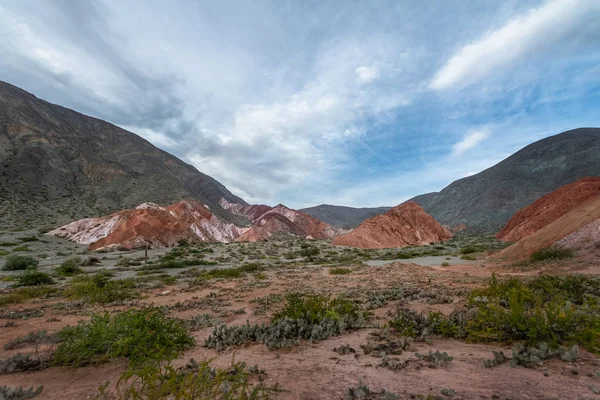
(357, 103)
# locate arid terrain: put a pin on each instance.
(201, 287)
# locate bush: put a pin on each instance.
(470, 249)
(309, 252)
(194, 381)
(138, 335)
(33, 278)
(19, 393)
(17, 263)
(547, 309)
(101, 289)
(21, 248)
(315, 308)
(552, 253)
(445, 264)
(70, 267)
(312, 318)
(340, 271)
(23, 294)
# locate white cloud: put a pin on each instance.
(366, 74)
(469, 141)
(537, 32)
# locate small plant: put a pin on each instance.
(202, 321)
(25, 293)
(499, 358)
(552, 253)
(70, 267)
(194, 381)
(138, 335)
(17, 263)
(21, 248)
(19, 363)
(468, 257)
(101, 289)
(33, 338)
(340, 271)
(8, 244)
(309, 252)
(33, 278)
(363, 392)
(534, 356)
(470, 249)
(445, 264)
(9, 393)
(435, 360)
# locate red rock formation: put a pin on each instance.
(549, 208)
(267, 221)
(578, 218)
(404, 225)
(150, 225)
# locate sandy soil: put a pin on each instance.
(314, 370)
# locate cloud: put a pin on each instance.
(469, 141)
(538, 32)
(366, 74)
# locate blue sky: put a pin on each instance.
(308, 102)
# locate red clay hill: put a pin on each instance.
(548, 208)
(569, 217)
(404, 225)
(152, 225)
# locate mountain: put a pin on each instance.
(548, 208)
(268, 221)
(343, 217)
(404, 225)
(57, 165)
(578, 228)
(486, 201)
(151, 225)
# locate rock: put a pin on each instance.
(448, 392)
(548, 208)
(404, 225)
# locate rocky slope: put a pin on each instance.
(57, 165)
(569, 229)
(267, 221)
(151, 225)
(341, 216)
(404, 225)
(154, 226)
(548, 208)
(486, 201)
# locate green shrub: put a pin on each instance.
(101, 289)
(138, 335)
(194, 381)
(547, 309)
(445, 264)
(33, 278)
(4, 252)
(8, 244)
(309, 252)
(340, 271)
(468, 257)
(312, 318)
(70, 267)
(26, 239)
(17, 263)
(25, 293)
(21, 248)
(470, 249)
(315, 308)
(552, 253)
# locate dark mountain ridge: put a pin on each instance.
(484, 202)
(57, 165)
(342, 216)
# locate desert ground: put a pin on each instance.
(380, 343)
